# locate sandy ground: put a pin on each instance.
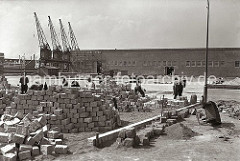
(212, 143)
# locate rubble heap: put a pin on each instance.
(5, 99)
(25, 138)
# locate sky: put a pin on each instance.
(120, 24)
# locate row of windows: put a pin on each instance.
(122, 63)
(145, 63)
(173, 63)
(160, 63)
(203, 63)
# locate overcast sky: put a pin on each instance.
(121, 24)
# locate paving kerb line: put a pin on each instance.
(110, 135)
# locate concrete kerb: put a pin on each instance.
(110, 135)
(188, 107)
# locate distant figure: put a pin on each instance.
(37, 86)
(139, 89)
(115, 102)
(75, 84)
(90, 84)
(45, 86)
(65, 82)
(177, 88)
(24, 83)
(184, 81)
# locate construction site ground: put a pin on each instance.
(211, 143)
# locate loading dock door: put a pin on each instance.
(168, 70)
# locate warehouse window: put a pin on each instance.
(144, 63)
(237, 64)
(188, 64)
(174, 63)
(210, 64)
(169, 63)
(133, 63)
(216, 63)
(155, 63)
(120, 63)
(203, 63)
(193, 63)
(164, 63)
(222, 63)
(159, 63)
(149, 63)
(124, 63)
(129, 63)
(199, 63)
(116, 63)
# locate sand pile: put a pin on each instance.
(235, 81)
(179, 131)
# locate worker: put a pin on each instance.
(45, 86)
(114, 99)
(139, 89)
(24, 83)
(184, 80)
(65, 82)
(75, 84)
(90, 84)
(177, 88)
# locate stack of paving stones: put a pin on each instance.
(67, 110)
(23, 139)
(127, 100)
(178, 103)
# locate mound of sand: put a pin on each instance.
(179, 131)
(235, 81)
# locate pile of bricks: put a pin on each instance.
(68, 110)
(178, 103)
(23, 139)
(127, 100)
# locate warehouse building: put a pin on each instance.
(223, 62)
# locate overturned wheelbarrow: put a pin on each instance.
(212, 113)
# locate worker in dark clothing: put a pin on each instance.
(24, 83)
(177, 88)
(184, 82)
(115, 102)
(75, 84)
(139, 89)
(45, 86)
(65, 82)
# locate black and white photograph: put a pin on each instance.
(120, 80)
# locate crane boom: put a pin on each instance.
(74, 43)
(65, 43)
(45, 50)
(57, 51)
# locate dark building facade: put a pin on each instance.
(15, 66)
(1, 63)
(222, 62)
